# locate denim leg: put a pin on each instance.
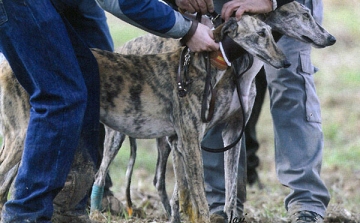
(36, 43)
(214, 170)
(295, 110)
(88, 20)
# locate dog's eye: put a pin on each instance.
(261, 33)
(306, 15)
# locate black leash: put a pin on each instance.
(226, 148)
(184, 62)
(182, 78)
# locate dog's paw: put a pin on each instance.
(112, 204)
(218, 218)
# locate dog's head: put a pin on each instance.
(295, 20)
(255, 37)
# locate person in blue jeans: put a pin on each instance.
(53, 63)
(295, 110)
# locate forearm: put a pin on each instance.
(152, 16)
(279, 3)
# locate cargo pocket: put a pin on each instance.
(3, 16)
(312, 104)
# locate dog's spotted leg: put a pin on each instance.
(235, 174)
(112, 144)
(188, 155)
(14, 116)
(180, 181)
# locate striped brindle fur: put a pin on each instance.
(139, 98)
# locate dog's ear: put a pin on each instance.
(218, 33)
(228, 28)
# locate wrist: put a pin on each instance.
(190, 33)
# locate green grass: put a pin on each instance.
(144, 160)
(121, 31)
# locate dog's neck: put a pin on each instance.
(229, 51)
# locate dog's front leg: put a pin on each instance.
(192, 197)
(235, 168)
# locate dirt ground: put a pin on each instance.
(263, 205)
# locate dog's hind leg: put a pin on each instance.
(112, 144)
(14, 118)
(164, 150)
(180, 181)
(129, 205)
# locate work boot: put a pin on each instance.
(306, 217)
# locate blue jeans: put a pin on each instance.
(88, 20)
(59, 73)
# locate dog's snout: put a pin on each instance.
(331, 39)
(286, 64)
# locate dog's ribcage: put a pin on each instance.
(139, 95)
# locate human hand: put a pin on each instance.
(202, 40)
(192, 6)
(242, 6)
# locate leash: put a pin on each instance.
(183, 69)
(228, 147)
(208, 90)
(232, 51)
(215, 19)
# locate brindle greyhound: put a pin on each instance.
(292, 19)
(139, 97)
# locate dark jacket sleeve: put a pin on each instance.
(150, 15)
(154, 15)
(283, 2)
